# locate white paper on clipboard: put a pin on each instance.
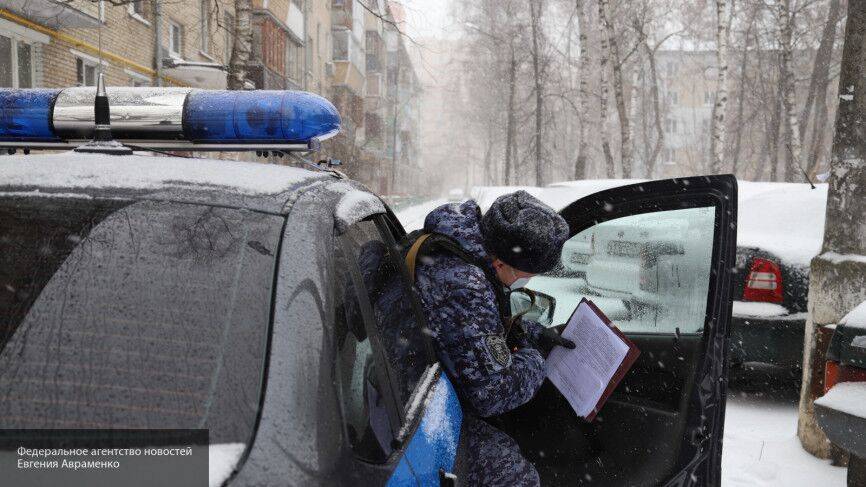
(582, 374)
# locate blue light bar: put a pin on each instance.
(172, 118)
(25, 115)
(258, 116)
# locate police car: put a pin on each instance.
(143, 290)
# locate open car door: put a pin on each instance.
(655, 257)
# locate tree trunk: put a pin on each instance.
(657, 113)
(738, 138)
(821, 81)
(821, 67)
(585, 64)
(610, 169)
(242, 47)
(773, 132)
(717, 142)
(633, 110)
(618, 90)
(837, 285)
(509, 125)
(792, 130)
(535, 13)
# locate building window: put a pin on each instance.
(668, 157)
(205, 26)
(175, 39)
(373, 49)
(16, 63)
(101, 11)
(85, 72)
(137, 79)
(673, 98)
(293, 61)
(708, 99)
(341, 45)
(670, 126)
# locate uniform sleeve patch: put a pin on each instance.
(498, 349)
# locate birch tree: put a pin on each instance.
(535, 7)
(819, 82)
(788, 80)
(242, 46)
(717, 143)
(616, 60)
(604, 58)
(586, 65)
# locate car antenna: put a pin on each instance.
(103, 142)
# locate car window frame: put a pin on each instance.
(619, 202)
(706, 428)
(383, 370)
(391, 233)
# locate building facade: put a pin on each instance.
(349, 51)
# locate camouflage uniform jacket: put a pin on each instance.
(461, 310)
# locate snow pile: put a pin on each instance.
(75, 170)
(837, 258)
(758, 310)
(557, 195)
(223, 458)
(761, 448)
(413, 217)
(786, 219)
(847, 397)
(856, 318)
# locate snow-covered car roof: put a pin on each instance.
(266, 187)
(785, 219)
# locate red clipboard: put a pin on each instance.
(624, 367)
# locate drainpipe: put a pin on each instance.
(157, 48)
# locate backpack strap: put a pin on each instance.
(424, 243)
(412, 255)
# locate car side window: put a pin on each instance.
(649, 273)
(391, 301)
(363, 395)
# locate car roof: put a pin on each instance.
(262, 187)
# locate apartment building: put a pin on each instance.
(45, 43)
(349, 51)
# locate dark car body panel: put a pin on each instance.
(776, 340)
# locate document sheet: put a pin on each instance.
(583, 373)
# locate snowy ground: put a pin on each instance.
(760, 444)
(412, 217)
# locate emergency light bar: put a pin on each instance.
(169, 119)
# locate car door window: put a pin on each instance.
(648, 272)
(391, 302)
(363, 392)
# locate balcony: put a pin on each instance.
(55, 14)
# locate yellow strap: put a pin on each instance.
(412, 256)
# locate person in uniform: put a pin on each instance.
(518, 237)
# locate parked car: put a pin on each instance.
(140, 291)
(841, 411)
(780, 229)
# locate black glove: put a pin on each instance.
(549, 338)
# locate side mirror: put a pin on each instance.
(533, 305)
